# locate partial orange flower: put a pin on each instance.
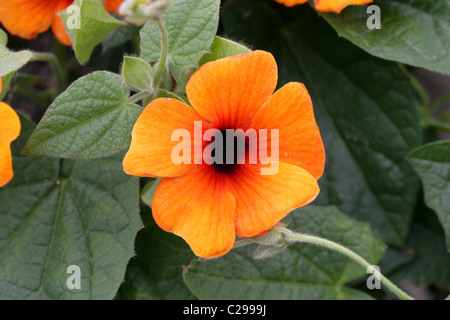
(9, 131)
(29, 18)
(209, 204)
(291, 3)
(326, 5)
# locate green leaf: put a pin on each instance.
(302, 271)
(119, 36)
(149, 191)
(137, 74)
(156, 271)
(412, 32)
(222, 48)
(162, 93)
(91, 119)
(432, 163)
(168, 94)
(363, 106)
(88, 29)
(3, 38)
(191, 26)
(428, 258)
(58, 213)
(10, 62)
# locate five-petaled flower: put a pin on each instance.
(9, 131)
(207, 204)
(28, 18)
(326, 5)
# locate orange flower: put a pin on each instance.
(326, 5)
(28, 18)
(208, 204)
(10, 130)
(291, 3)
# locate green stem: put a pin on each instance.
(440, 102)
(138, 96)
(417, 87)
(244, 242)
(162, 64)
(439, 125)
(44, 97)
(299, 237)
(51, 58)
(445, 116)
(291, 237)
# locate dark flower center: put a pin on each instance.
(231, 152)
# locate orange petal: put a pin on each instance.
(263, 200)
(112, 6)
(58, 26)
(290, 111)
(337, 5)
(150, 153)
(291, 3)
(6, 169)
(60, 32)
(27, 18)
(198, 208)
(228, 92)
(10, 130)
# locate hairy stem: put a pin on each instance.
(51, 58)
(292, 237)
(138, 96)
(299, 237)
(162, 64)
